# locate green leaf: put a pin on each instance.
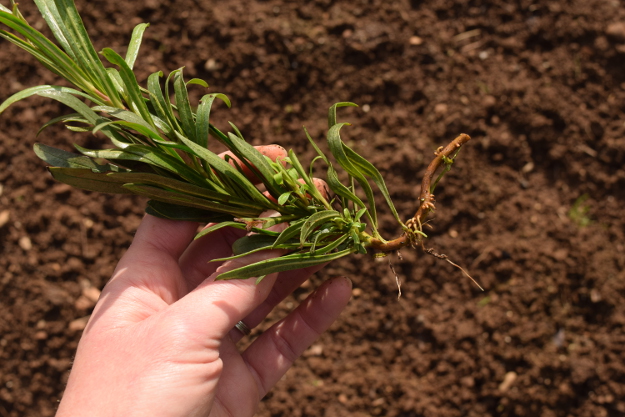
(149, 156)
(140, 128)
(83, 51)
(202, 124)
(371, 171)
(131, 86)
(257, 163)
(338, 150)
(86, 179)
(162, 107)
(45, 51)
(182, 187)
(81, 108)
(283, 263)
(284, 197)
(290, 232)
(309, 182)
(217, 226)
(39, 90)
(184, 108)
(74, 117)
(159, 194)
(252, 243)
(191, 214)
(331, 246)
(63, 159)
(316, 220)
(135, 44)
(228, 172)
(332, 111)
(197, 81)
(51, 15)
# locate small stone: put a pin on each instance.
(527, 168)
(78, 324)
(616, 30)
(83, 303)
(595, 295)
(314, 350)
(415, 40)
(5, 215)
(507, 382)
(25, 243)
(211, 65)
(453, 233)
(489, 101)
(56, 295)
(92, 293)
(342, 398)
(61, 188)
(440, 108)
(357, 292)
(41, 335)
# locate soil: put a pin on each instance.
(532, 207)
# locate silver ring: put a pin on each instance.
(242, 327)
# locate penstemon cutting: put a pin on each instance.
(161, 150)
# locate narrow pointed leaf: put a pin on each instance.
(135, 44)
(215, 227)
(338, 150)
(40, 90)
(86, 179)
(257, 162)
(83, 49)
(312, 189)
(163, 107)
(190, 214)
(63, 159)
(332, 111)
(184, 108)
(316, 220)
(202, 124)
(290, 232)
(197, 81)
(228, 171)
(131, 87)
(74, 117)
(283, 263)
(172, 197)
(150, 156)
(252, 243)
(51, 15)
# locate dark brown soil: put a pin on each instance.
(533, 207)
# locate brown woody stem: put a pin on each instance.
(426, 199)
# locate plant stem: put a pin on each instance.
(426, 199)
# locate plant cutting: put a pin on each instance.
(161, 150)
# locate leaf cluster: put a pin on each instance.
(161, 150)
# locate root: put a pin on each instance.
(397, 280)
(446, 258)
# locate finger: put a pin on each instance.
(217, 306)
(273, 353)
(285, 284)
(147, 278)
(152, 259)
(195, 262)
(272, 151)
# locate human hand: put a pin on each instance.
(161, 340)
